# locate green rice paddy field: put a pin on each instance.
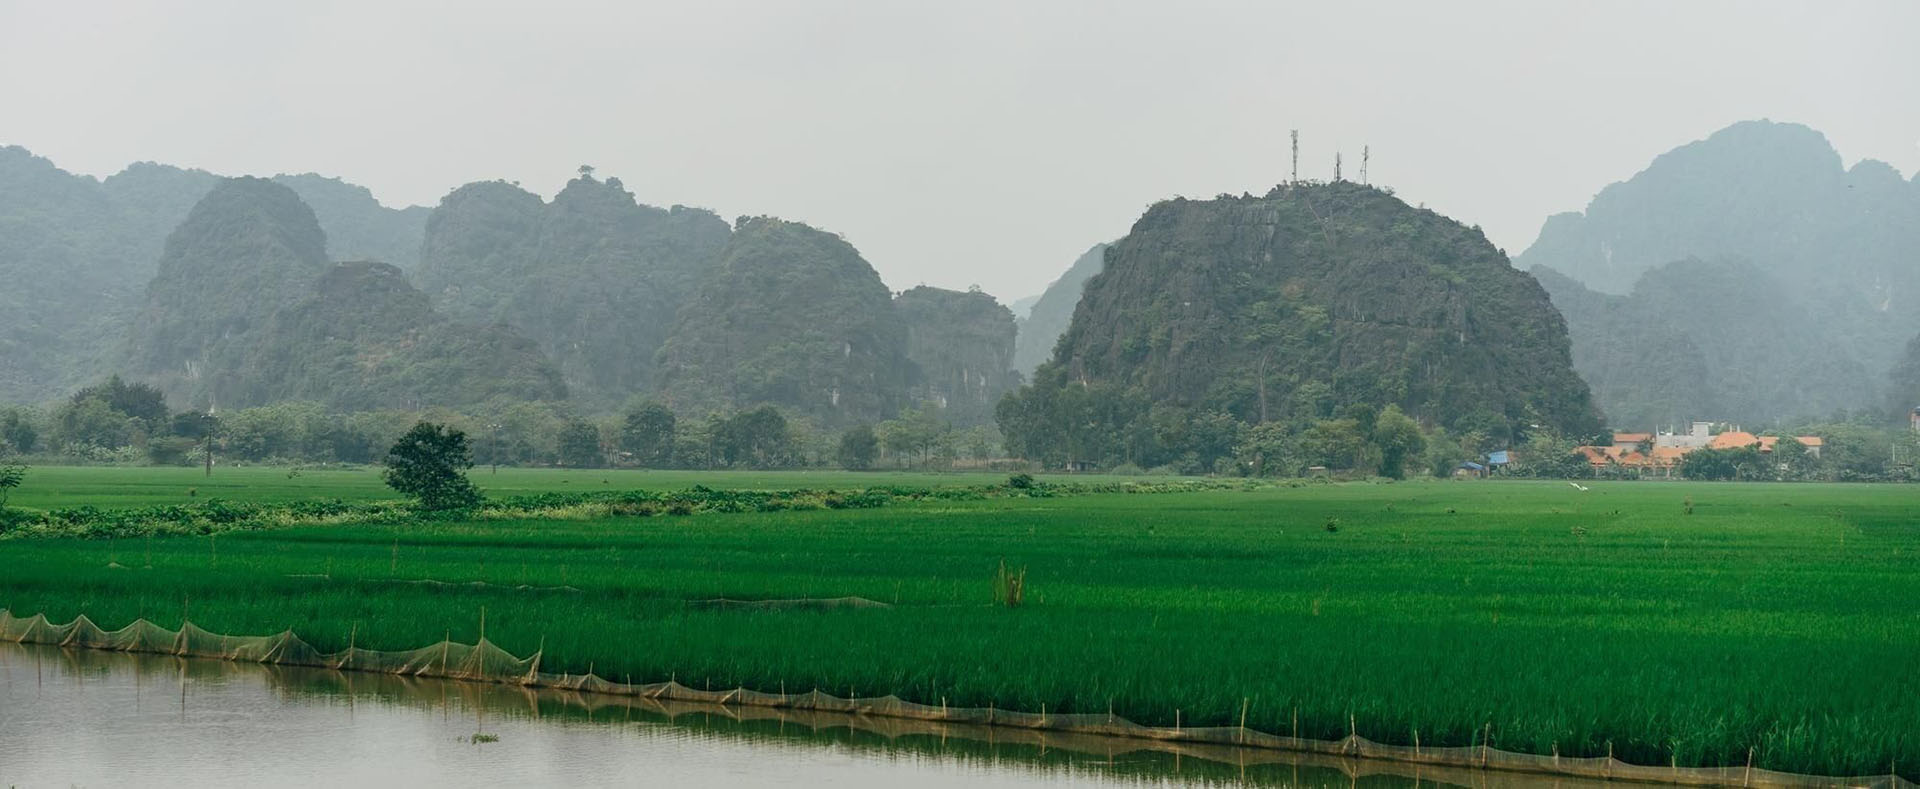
(1779, 618)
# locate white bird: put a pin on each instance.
(1576, 485)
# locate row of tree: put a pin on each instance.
(118, 421)
(122, 422)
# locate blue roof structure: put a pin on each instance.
(1498, 458)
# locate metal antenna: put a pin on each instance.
(1296, 158)
(1336, 165)
(1366, 152)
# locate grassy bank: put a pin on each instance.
(1773, 617)
(50, 487)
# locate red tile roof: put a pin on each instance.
(1733, 439)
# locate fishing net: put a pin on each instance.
(487, 662)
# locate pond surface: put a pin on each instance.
(90, 718)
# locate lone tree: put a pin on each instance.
(429, 463)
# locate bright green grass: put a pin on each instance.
(49, 487)
(1785, 618)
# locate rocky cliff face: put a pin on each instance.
(248, 249)
(1049, 314)
(363, 339)
(1300, 303)
(77, 254)
(596, 278)
(961, 345)
(1842, 243)
(792, 317)
(1708, 340)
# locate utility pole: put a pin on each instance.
(1366, 152)
(493, 446)
(208, 425)
(1295, 179)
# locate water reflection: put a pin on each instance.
(90, 718)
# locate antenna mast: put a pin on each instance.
(1296, 158)
(1366, 152)
(1336, 165)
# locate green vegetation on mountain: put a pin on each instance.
(1706, 340)
(1237, 321)
(365, 339)
(594, 277)
(358, 227)
(1903, 382)
(245, 310)
(791, 317)
(1046, 318)
(1836, 247)
(961, 346)
(76, 255)
(248, 249)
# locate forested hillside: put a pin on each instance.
(961, 345)
(248, 249)
(358, 227)
(1213, 318)
(76, 255)
(1707, 340)
(246, 310)
(365, 339)
(1835, 274)
(596, 278)
(1050, 313)
(791, 317)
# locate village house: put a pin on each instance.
(1659, 454)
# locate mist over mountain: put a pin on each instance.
(961, 345)
(595, 277)
(364, 338)
(1832, 281)
(247, 250)
(358, 227)
(792, 317)
(1707, 340)
(1050, 312)
(246, 310)
(1290, 308)
(76, 254)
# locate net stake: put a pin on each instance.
(1243, 719)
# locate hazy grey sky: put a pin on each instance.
(960, 142)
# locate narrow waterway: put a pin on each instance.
(91, 718)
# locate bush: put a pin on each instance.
(1021, 481)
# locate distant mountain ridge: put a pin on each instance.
(1833, 257)
(1047, 317)
(793, 317)
(595, 277)
(76, 254)
(246, 310)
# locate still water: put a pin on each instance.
(89, 718)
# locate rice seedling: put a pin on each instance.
(1660, 636)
